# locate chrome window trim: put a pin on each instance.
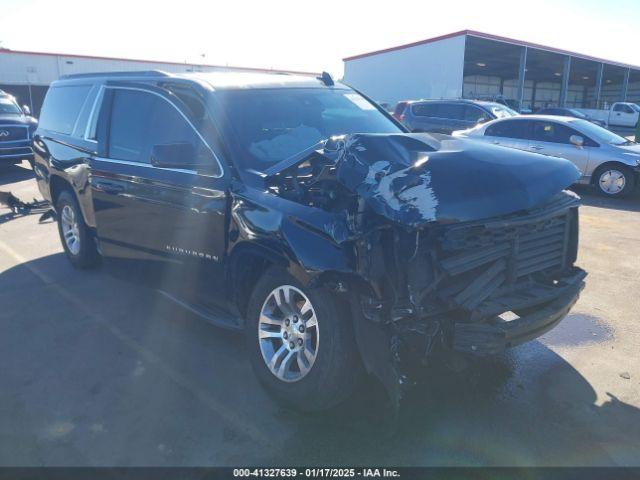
(84, 104)
(221, 173)
(92, 114)
(145, 165)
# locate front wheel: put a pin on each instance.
(615, 180)
(301, 343)
(77, 239)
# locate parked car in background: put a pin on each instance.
(398, 111)
(16, 129)
(569, 112)
(608, 161)
(621, 114)
(446, 116)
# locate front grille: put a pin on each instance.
(11, 133)
(15, 152)
(485, 260)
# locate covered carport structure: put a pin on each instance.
(531, 76)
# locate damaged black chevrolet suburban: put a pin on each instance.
(296, 209)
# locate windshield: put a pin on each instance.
(635, 107)
(599, 134)
(9, 106)
(502, 111)
(271, 125)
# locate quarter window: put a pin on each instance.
(62, 106)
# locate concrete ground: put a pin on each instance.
(97, 371)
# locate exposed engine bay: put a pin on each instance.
(447, 237)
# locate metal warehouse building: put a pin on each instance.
(472, 64)
(27, 75)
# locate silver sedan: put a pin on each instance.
(608, 161)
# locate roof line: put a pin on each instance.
(407, 45)
(96, 57)
(497, 38)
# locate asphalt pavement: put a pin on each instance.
(98, 371)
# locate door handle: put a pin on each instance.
(108, 187)
(536, 147)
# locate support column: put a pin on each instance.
(625, 85)
(598, 90)
(521, 76)
(566, 69)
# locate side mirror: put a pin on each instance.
(26, 109)
(577, 140)
(482, 120)
(173, 155)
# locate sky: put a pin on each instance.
(307, 35)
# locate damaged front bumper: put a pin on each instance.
(537, 314)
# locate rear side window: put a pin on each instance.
(509, 129)
(425, 109)
(453, 111)
(130, 115)
(62, 107)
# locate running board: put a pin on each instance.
(213, 315)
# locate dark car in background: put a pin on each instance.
(446, 116)
(569, 112)
(16, 129)
(297, 210)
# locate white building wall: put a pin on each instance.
(431, 70)
(37, 69)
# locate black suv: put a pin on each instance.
(298, 210)
(446, 116)
(16, 129)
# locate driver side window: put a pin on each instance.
(140, 120)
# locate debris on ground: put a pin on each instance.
(18, 207)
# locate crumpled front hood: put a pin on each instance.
(414, 179)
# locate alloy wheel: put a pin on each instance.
(288, 333)
(70, 229)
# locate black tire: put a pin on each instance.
(629, 180)
(337, 368)
(87, 255)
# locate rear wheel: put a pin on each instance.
(614, 180)
(77, 239)
(301, 343)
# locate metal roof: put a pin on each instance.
(496, 38)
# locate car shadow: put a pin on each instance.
(529, 406)
(590, 197)
(14, 173)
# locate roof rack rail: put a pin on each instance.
(132, 73)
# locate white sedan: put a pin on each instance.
(608, 161)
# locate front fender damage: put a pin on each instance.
(447, 235)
